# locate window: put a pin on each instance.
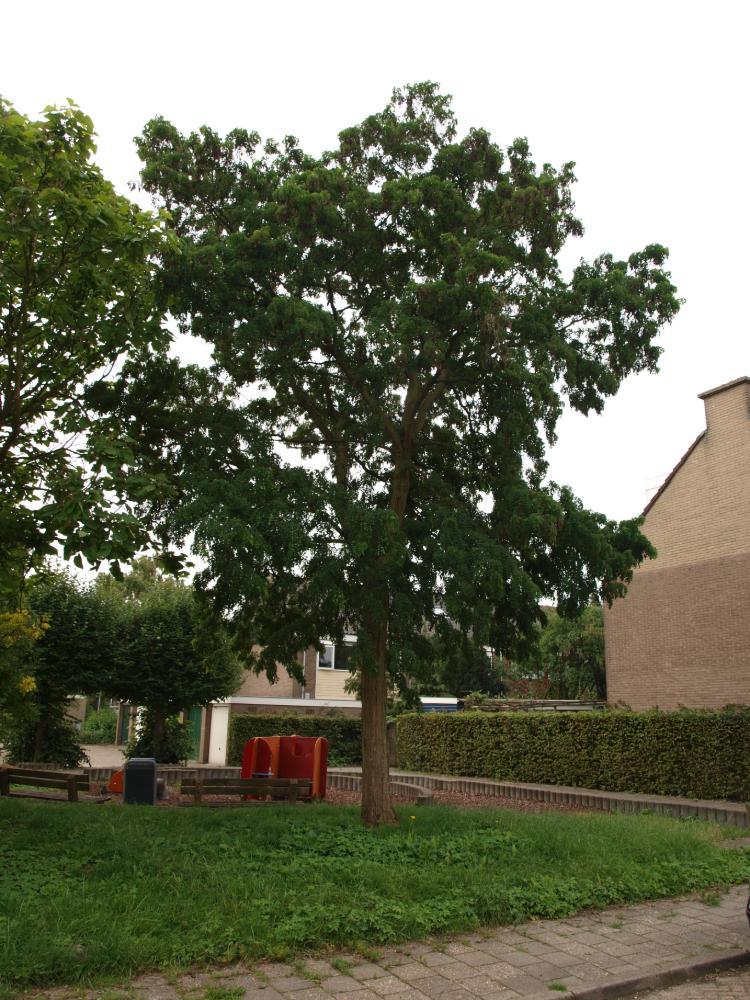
(336, 657)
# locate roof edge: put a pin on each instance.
(674, 471)
(726, 385)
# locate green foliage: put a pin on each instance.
(71, 656)
(571, 654)
(463, 667)
(400, 299)
(568, 657)
(100, 726)
(703, 755)
(51, 739)
(19, 631)
(344, 734)
(171, 744)
(394, 309)
(76, 284)
(171, 652)
(146, 640)
(138, 889)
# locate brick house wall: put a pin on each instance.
(681, 636)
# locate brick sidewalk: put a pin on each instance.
(550, 958)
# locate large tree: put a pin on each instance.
(394, 342)
(76, 296)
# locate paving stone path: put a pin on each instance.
(551, 958)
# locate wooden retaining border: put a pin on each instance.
(714, 811)
(171, 773)
(349, 781)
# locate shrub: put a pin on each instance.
(175, 746)
(344, 734)
(100, 727)
(689, 753)
(58, 742)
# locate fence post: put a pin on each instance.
(72, 789)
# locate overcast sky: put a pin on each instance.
(649, 99)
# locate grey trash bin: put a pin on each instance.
(140, 781)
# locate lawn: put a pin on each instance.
(93, 891)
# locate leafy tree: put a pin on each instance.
(456, 667)
(19, 630)
(146, 640)
(171, 744)
(571, 654)
(465, 668)
(76, 296)
(100, 726)
(171, 652)
(400, 340)
(72, 656)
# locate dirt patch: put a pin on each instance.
(339, 797)
(461, 800)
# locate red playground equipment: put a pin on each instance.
(288, 757)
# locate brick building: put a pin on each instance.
(681, 636)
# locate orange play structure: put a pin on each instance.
(288, 757)
(115, 783)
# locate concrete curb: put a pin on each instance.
(667, 977)
(712, 811)
(404, 790)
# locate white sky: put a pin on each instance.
(649, 99)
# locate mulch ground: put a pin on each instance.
(461, 800)
(334, 796)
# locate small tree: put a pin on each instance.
(71, 655)
(393, 309)
(171, 654)
(571, 654)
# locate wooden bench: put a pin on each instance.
(71, 781)
(277, 788)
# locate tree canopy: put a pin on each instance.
(568, 659)
(394, 343)
(146, 640)
(171, 652)
(76, 296)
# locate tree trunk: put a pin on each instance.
(377, 807)
(157, 732)
(39, 738)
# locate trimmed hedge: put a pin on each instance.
(697, 754)
(344, 734)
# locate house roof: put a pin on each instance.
(726, 385)
(701, 395)
(673, 473)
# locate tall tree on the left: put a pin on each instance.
(76, 298)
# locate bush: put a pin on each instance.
(59, 743)
(100, 727)
(174, 747)
(344, 734)
(697, 754)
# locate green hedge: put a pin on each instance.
(704, 755)
(344, 734)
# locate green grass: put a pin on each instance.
(92, 892)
